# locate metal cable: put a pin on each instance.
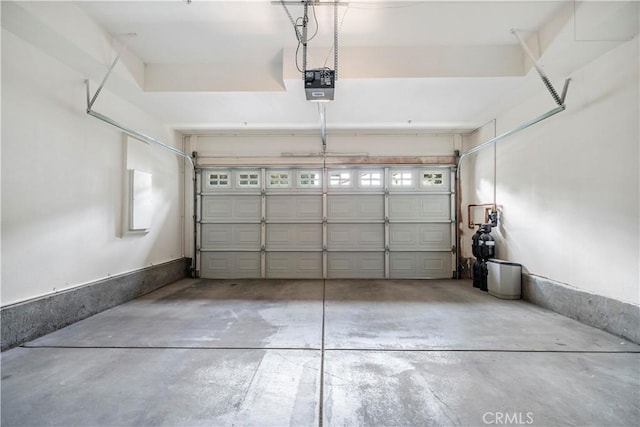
(538, 67)
(299, 37)
(295, 27)
(315, 19)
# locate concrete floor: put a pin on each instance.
(314, 352)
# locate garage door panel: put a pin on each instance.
(291, 265)
(409, 214)
(417, 237)
(294, 236)
(231, 236)
(355, 237)
(231, 208)
(355, 208)
(355, 265)
(294, 208)
(230, 265)
(435, 265)
(427, 207)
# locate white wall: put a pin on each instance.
(568, 188)
(62, 181)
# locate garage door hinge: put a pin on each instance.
(263, 220)
(263, 248)
(324, 219)
(386, 220)
(454, 248)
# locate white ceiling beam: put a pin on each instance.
(79, 43)
(355, 63)
(220, 77)
(583, 31)
(417, 62)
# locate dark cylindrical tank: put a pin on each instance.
(483, 247)
(483, 244)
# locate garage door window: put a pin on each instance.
(432, 178)
(308, 179)
(340, 179)
(370, 179)
(279, 179)
(401, 179)
(249, 179)
(219, 180)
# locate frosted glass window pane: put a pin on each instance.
(219, 179)
(279, 179)
(371, 179)
(432, 178)
(340, 179)
(401, 179)
(249, 179)
(309, 179)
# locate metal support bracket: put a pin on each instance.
(131, 132)
(323, 125)
(91, 100)
(560, 100)
(106, 76)
(545, 79)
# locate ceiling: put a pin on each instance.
(216, 31)
(433, 65)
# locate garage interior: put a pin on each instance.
(268, 213)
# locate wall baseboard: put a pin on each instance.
(617, 317)
(34, 318)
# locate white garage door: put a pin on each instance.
(347, 222)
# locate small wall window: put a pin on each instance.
(432, 178)
(340, 179)
(249, 179)
(279, 179)
(307, 179)
(402, 179)
(219, 179)
(371, 179)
